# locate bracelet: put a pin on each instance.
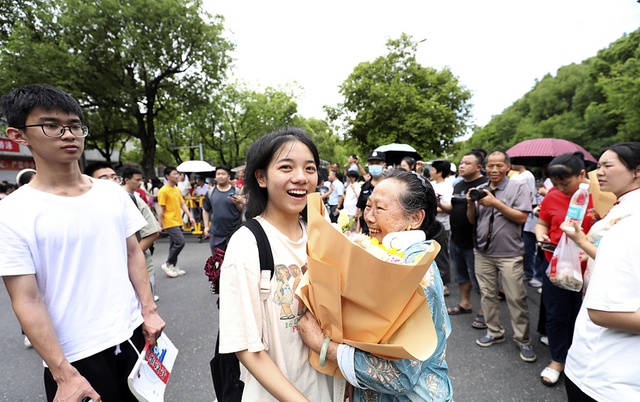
(323, 351)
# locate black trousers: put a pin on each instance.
(574, 393)
(225, 372)
(106, 372)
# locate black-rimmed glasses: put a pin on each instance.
(57, 130)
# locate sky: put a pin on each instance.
(496, 48)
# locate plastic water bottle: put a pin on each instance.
(577, 206)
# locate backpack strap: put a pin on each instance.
(266, 256)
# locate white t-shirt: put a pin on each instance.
(350, 198)
(529, 178)
(184, 186)
(243, 326)
(445, 190)
(602, 362)
(76, 247)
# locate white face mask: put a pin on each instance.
(375, 170)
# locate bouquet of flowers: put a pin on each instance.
(364, 294)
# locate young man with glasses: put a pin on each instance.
(70, 259)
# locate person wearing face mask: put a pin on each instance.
(375, 166)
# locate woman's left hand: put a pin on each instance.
(310, 332)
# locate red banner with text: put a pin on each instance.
(9, 163)
(8, 146)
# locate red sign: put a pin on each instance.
(7, 163)
(8, 146)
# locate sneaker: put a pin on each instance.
(534, 283)
(544, 340)
(179, 271)
(27, 343)
(168, 269)
(540, 290)
(156, 298)
(489, 340)
(527, 354)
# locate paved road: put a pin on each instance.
(478, 374)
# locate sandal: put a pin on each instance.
(458, 309)
(478, 322)
(552, 375)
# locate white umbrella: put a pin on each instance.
(396, 148)
(395, 152)
(195, 167)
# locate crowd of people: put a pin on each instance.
(491, 222)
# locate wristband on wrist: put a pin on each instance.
(323, 351)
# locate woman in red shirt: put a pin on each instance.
(566, 172)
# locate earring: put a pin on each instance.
(409, 227)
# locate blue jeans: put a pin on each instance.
(463, 263)
(530, 244)
(562, 307)
(541, 264)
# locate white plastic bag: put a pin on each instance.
(564, 270)
(149, 377)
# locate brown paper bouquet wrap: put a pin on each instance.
(359, 300)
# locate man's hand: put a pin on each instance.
(206, 232)
(72, 387)
(489, 201)
(152, 326)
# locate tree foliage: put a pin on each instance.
(395, 99)
(594, 103)
(125, 61)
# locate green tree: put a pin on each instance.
(395, 99)
(237, 116)
(594, 104)
(124, 61)
(329, 145)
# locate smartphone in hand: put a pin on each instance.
(547, 246)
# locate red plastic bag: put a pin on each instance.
(564, 270)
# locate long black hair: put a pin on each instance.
(419, 195)
(260, 155)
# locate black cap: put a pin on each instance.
(376, 156)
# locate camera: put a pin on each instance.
(477, 193)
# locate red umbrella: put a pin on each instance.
(540, 151)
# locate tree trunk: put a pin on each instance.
(148, 143)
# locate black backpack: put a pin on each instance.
(225, 367)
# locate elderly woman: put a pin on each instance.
(403, 201)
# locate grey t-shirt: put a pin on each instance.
(224, 214)
(506, 235)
